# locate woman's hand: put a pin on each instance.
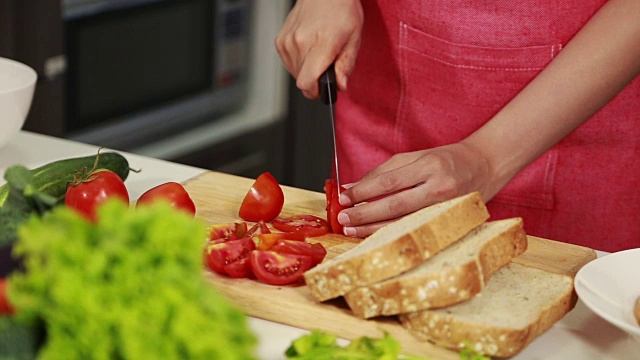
(411, 181)
(316, 34)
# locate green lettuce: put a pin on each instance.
(319, 345)
(128, 287)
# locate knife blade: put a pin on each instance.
(328, 96)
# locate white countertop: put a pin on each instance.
(580, 335)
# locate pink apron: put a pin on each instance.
(429, 73)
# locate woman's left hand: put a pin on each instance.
(411, 181)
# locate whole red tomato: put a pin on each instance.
(172, 192)
(85, 194)
(333, 206)
(264, 200)
(5, 306)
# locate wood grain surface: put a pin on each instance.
(218, 197)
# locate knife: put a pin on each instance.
(328, 96)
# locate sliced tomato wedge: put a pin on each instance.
(263, 201)
(279, 268)
(333, 206)
(173, 193)
(220, 256)
(308, 225)
(259, 228)
(231, 231)
(266, 241)
(315, 250)
(221, 231)
(239, 269)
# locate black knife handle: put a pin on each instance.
(329, 77)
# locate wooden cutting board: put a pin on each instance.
(218, 197)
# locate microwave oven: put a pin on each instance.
(140, 70)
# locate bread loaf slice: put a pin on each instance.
(518, 304)
(453, 275)
(397, 247)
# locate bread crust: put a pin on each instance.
(346, 272)
(454, 333)
(404, 294)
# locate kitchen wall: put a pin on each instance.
(30, 32)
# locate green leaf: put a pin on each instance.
(14, 212)
(320, 345)
(18, 177)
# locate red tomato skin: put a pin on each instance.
(279, 269)
(213, 262)
(239, 269)
(266, 241)
(315, 250)
(86, 196)
(5, 306)
(307, 225)
(226, 232)
(172, 192)
(333, 206)
(220, 231)
(241, 229)
(263, 201)
(218, 256)
(258, 228)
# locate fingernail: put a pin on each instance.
(344, 81)
(343, 218)
(347, 186)
(344, 200)
(349, 231)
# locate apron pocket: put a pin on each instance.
(449, 90)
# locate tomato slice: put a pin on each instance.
(239, 269)
(308, 225)
(219, 256)
(259, 228)
(279, 268)
(225, 232)
(241, 230)
(219, 231)
(266, 241)
(315, 250)
(263, 201)
(5, 306)
(333, 206)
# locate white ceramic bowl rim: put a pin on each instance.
(30, 80)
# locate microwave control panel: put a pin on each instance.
(233, 35)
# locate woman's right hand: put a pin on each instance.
(317, 33)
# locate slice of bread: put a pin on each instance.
(453, 275)
(518, 304)
(397, 247)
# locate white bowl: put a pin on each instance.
(17, 83)
(609, 286)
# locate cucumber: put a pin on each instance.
(53, 178)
